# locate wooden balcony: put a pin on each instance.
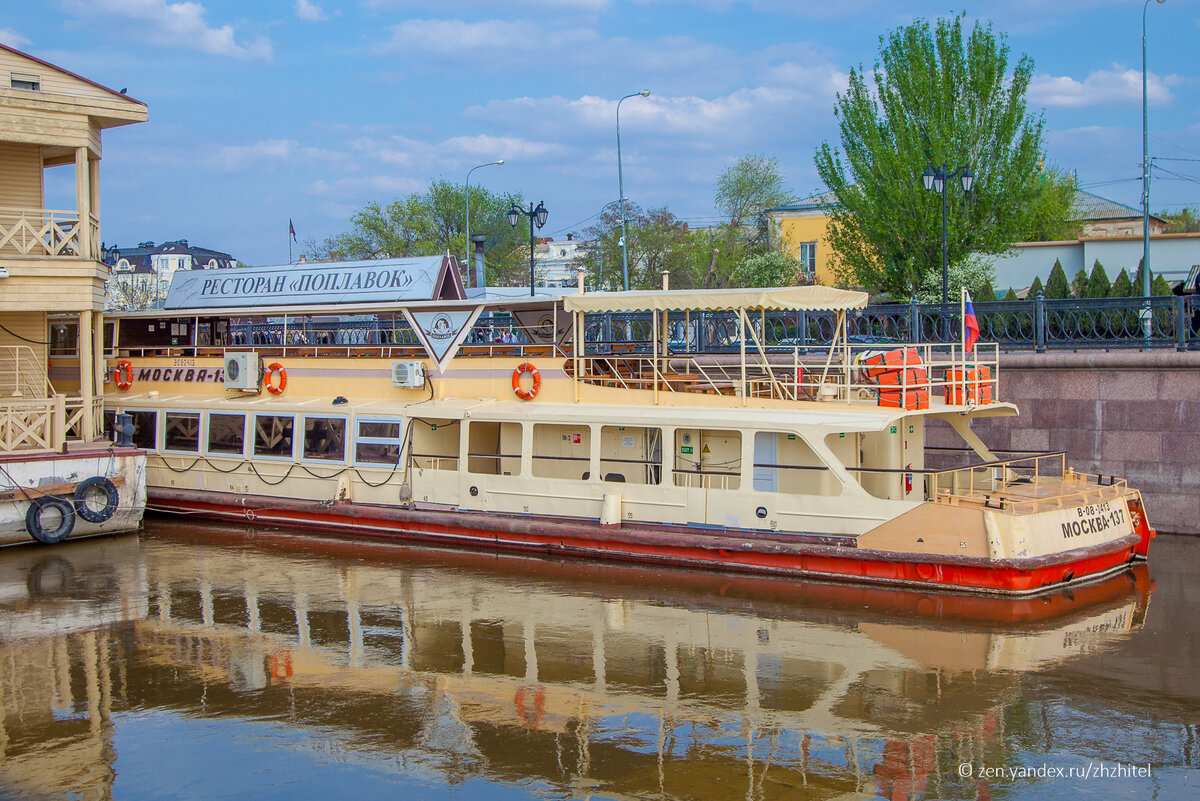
(46, 233)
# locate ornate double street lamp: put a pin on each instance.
(621, 187)
(936, 179)
(1145, 182)
(536, 216)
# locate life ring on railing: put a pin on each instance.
(96, 489)
(37, 528)
(272, 369)
(526, 367)
(124, 374)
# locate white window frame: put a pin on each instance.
(346, 438)
(253, 416)
(353, 444)
(201, 439)
(157, 425)
(207, 430)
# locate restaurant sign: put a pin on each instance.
(371, 281)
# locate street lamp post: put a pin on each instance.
(496, 163)
(935, 179)
(621, 186)
(537, 216)
(1145, 180)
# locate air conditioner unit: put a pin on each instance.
(408, 374)
(242, 372)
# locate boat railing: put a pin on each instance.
(841, 373)
(341, 350)
(1031, 483)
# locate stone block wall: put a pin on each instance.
(1134, 415)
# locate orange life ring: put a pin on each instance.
(272, 369)
(124, 368)
(526, 367)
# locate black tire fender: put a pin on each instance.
(33, 519)
(87, 489)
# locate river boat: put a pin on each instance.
(736, 429)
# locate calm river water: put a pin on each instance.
(196, 661)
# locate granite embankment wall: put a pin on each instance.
(1131, 414)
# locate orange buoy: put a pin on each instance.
(124, 376)
(272, 369)
(531, 393)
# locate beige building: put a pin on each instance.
(50, 260)
(802, 229)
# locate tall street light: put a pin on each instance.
(496, 163)
(936, 179)
(1145, 178)
(621, 186)
(537, 216)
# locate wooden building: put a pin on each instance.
(50, 259)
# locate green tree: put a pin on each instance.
(1098, 283)
(1010, 295)
(938, 96)
(973, 272)
(1122, 287)
(1057, 287)
(750, 186)
(430, 223)
(1079, 284)
(1035, 288)
(1159, 286)
(657, 240)
(773, 268)
(1185, 221)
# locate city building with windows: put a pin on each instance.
(140, 276)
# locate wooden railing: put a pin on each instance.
(22, 373)
(46, 232)
(29, 425)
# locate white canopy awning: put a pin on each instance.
(798, 298)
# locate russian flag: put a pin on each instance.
(970, 323)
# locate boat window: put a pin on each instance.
(110, 339)
(706, 458)
(631, 454)
(109, 416)
(226, 433)
(784, 462)
(273, 435)
(64, 338)
(181, 431)
(325, 438)
(494, 448)
(435, 443)
(561, 451)
(379, 442)
(145, 429)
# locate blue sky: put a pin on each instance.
(308, 109)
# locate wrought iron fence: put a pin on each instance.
(1165, 322)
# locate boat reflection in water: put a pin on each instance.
(221, 662)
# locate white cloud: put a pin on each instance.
(268, 151)
(367, 185)
(13, 39)
(167, 25)
(456, 37)
(309, 11)
(1102, 87)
